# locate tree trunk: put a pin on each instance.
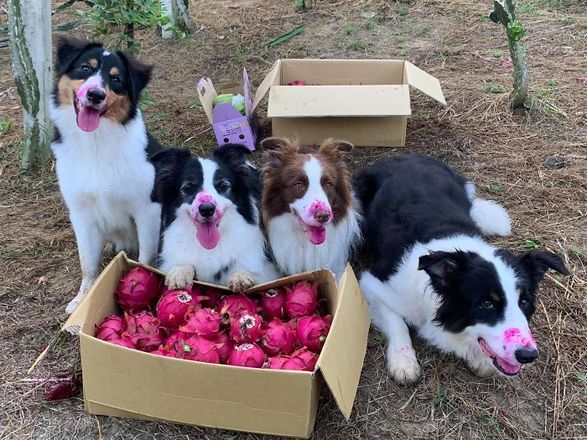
(29, 25)
(178, 15)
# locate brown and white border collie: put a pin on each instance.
(308, 206)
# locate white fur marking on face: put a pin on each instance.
(105, 53)
(314, 192)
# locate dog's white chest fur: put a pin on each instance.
(105, 175)
(294, 253)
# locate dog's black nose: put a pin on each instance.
(321, 216)
(96, 96)
(524, 356)
(207, 209)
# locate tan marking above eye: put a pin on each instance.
(93, 62)
(114, 71)
(495, 296)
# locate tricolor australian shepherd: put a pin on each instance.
(307, 205)
(211, 219)
(432, 269)
(102, 150)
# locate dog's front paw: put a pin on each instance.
(180, 276)
(82, 292)
(403, 365)
(240, 280)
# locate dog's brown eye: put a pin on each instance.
(299, 186)
(487, 305)
(86, 68)
(327, 183)
(115, 79)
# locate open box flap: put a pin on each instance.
(74, 323)
(344, 351)
(339, 101)
(206, 93)
(423, 81)
(247, 94)
(272, 78)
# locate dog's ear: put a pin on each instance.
(68, 50)
(169, 164)
(536, 263)
(442, 267)
(232, 154)
(139, 74)
(336, 148)
(275, 148)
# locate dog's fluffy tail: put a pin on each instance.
(489, 216)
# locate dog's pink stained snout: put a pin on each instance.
(321, 212)
(203, 205)
(521, 343)
(91, 91)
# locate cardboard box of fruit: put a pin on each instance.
(205, 356)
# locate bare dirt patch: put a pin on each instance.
(504, 153)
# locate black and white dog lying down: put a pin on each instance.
(432, 269)
(210, 219)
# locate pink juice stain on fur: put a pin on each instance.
(207, 233)
(514, 337)
(88, 118)
(319, 206)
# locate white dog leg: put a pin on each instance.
(148, 227)
(401, 357)
(90, 242)
(180, 275)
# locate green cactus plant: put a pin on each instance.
(504, 13)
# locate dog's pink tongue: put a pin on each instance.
(317, 234)
(208, 235)
(88, 118)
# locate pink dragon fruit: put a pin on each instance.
(202, 322)
(190, 290)
(301, 299)
(273, 304)
(233, 305)
(124, 341)
(200, 349)
(246, 355)
(285, 363)
(223, 346)
(165, 351)
(246, 328)
(307, 357)
(312, 331)
(111, 328)
(137, 289)
(144, 330)
(173, 339)
(174, 306)
(213, 297)
(278, 338)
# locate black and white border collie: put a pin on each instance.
(308, 207)
(432, 269)
(211, 219)
(102, 149)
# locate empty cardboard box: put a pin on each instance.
(366, 102)
(122, 382)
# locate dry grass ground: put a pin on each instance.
(476, 133)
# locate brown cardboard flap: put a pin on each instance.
(110, 275)
(339, 101)
(342, 357)
(272, 78)
(424, 82)
(206, 93)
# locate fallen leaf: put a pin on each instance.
(506, 62)
(476, 54)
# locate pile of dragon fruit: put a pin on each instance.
(282, 328)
